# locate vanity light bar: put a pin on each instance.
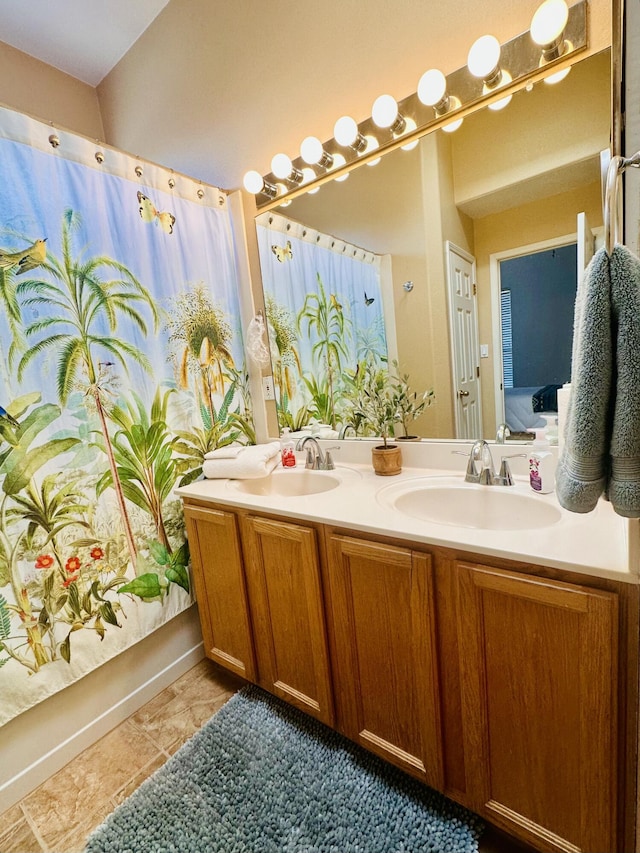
(520, 58)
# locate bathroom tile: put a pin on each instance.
(18, 837)
(135, 782)
(88, 782)
(76, 840)
(11, 816)
(177, 713)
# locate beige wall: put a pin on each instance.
(504, 159)
(215, 88)
(32, 87)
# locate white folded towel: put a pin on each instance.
(255, 461)
(231, 451)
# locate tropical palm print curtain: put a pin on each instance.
(121, 362)
(325, 319)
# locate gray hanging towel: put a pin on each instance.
(624, 476)
(582, 473)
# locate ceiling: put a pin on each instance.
(83, 38)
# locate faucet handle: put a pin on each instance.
(328, 459)
(471, 464)
(311, 458)
(505, 477)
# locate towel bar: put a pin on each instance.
(613, 200)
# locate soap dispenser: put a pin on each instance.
(287, 449)
(541, 465)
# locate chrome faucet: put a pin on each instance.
(316, 459)
(344, 429)
(481, 452)
(502, 434)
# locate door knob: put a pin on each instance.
(463, 393)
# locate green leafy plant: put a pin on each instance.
(151, 585)
(143, 450)
(324, 317)
(375, 404)
(408, 403)
(285, 359)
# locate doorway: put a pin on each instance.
(537, 291)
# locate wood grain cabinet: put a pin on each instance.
(385, 668)
(497, 686)
(218, 576)
(539, 684)
(285, 590)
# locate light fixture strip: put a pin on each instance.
(520, 57)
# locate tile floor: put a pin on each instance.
(59, 815)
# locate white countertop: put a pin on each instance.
(596, 543)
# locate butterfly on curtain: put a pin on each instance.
(368, 300)
(283, 253)
(150, 213)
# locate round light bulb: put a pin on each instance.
(281, 166)
(452, 126)
(411, 125)
(384, 111)
(372, 145)
(311, 150)
(253, 182)
(501, 104)
(505, 79)
(338, 161)
(483, 56)
(432, 87)
(557, 77)
(549, 21)
(345, 131)
(308, 175)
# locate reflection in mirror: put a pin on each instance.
(506, 184)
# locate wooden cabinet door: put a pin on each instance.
(539, 681)
(216, 560)
(385, 670)
(283, 576)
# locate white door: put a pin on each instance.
(586, 245)
(463, 324)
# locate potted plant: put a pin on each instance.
(409, 405)
(376, 406)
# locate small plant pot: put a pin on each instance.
(386, 461)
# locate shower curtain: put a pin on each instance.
(325, 317)
(121, 364)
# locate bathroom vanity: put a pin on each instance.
(501, 682)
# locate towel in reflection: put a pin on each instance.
(601, 453)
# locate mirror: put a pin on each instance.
(505, 184)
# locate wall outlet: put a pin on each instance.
(268, 388)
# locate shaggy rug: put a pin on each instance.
(261, 776)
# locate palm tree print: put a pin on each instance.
(83, 297)
(202, 335)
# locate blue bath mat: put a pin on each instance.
(261, 777)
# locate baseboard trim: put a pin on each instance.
(44, 766)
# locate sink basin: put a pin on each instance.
(467, 505)
(292, 484)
